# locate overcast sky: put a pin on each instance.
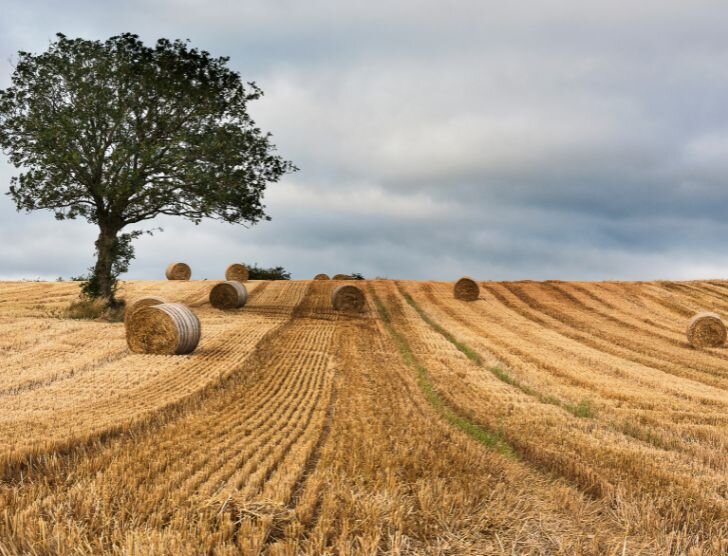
(544, 139)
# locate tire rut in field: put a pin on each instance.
(382, 414)
(620, 345)
(570, 470)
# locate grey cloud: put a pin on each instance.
(555, 139)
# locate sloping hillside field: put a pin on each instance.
(542, 418)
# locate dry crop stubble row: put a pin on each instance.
(678, 499)
(656, 423)
(272, 461)
(88, 400)
(317, 436)
(241, 449)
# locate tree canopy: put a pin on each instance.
(118, 133)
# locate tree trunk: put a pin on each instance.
(104, 261)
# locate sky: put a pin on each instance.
(549, 139)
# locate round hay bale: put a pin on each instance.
(228, 295)
(466, 289)
(139, 303)
(321, 276)
(166, 329)
(178, 271)
(237, 272)
(342, 277)
(706, 330)
(348, 298)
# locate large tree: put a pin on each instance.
(118, 133)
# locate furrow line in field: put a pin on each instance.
(595, 459)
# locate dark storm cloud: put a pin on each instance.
(554, 139)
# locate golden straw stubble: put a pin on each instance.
(139, 303)
(237, 272)
(466, 289)
(178, 271)
(348, 298)
(166, 329)
(321, 276)
(706, 329)
(228, 295)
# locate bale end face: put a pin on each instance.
(466, 289)
(237, 272)
(706, 329)
(166, 329)
(178, 271)
(348, 298)
(228, 295)
(136, 304)
(321, 276)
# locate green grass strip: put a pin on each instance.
(583, 409)
(485, 437)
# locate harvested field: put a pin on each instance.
(540, 418)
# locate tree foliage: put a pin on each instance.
(274, 273)
(119, 133)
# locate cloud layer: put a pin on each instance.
(566, 140)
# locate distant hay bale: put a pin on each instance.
(237, 272)
(166, 329)
(178, 271)
(706, 330)
(342, 277)
(321, 276)
(466, 289)
(135, 304)
(228, 295)
(348, 298)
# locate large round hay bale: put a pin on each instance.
(342, 277)
(178, 271)
(466, 289)
(139, 303)
(237, 272)
(706, 330)
(321, 276)
(166, 329)
(348, 298)
(228, 295)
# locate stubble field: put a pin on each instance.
(543, 418)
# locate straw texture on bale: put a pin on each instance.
(139, 303)
(237, 272)
(178, 271)
(706, 330)
(341, 277)
(321, 276)
(348, 298)
(167, 329)
(228, 295)
(466, 289)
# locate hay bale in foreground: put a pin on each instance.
(321, 276)
(166, 329)
(237, 272)
(228, 295)
(342, 277)
(466, 289)
(135, 304)
(178, 271)
(348, 298)
(706, 329)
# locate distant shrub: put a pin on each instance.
(275, 273)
